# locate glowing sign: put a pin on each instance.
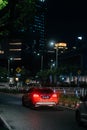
(60, 45)
(18, 69)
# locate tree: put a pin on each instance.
(3, 3)
(16, 15)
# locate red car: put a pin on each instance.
(36, 97)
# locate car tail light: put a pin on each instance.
(54, 95)
(35, 95)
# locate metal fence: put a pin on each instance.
(72, 91)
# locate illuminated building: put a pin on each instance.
(32, 37)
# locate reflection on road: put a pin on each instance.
(24, 118)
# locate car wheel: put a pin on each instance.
(78, 118)
(32, 106)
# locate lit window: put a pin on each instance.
(14, 49)
(19, 43)
(18, 58)
(1, 52)
(74, 47)
(42, 0)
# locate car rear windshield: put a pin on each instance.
(46, 91)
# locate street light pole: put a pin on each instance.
(41, 62)
(8, 68)
(56, 58)
(9, 59)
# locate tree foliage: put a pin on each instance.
(24, 12)
(3, 3)
(17, 16)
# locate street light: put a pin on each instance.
(41, 62)
(38, 54)
(79, 37)
(52, 64)
(9, 59)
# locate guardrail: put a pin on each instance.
(72, 91)
(63, 90)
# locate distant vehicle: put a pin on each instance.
(81, 111)
(40, 96)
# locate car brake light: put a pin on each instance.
(54, 95)
(35, 95)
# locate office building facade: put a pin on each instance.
(31, 40)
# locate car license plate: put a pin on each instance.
(45, 97)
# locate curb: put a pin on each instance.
(68, 106)
(5, 123)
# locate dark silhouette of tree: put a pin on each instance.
(16, 15)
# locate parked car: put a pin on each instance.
(39, 96)
(81, 111)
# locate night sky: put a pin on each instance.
(67, 19)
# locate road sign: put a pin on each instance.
(18, 69)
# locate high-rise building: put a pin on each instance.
(15, 48)
(33, 38)
(39, 26)
(25, 39)
(36, 30)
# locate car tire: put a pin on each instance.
(32, 106)
(78, 118)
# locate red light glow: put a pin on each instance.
(54, 95)
(35, 95)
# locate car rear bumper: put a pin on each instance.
(45, 104)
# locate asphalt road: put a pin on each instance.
(23, 118)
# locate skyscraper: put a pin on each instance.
(27, 37)
(33, 38)
(39, 26)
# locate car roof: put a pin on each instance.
(40, 89)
